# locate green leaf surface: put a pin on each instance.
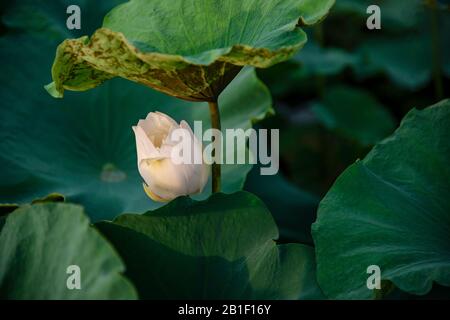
(221, 248)
(7, 208)
(83, 146)
(315, 60)
(2, 221)
(53, 197)
(406, 60)
(354, 113)
(390, 210)
(296, 76)
(37, 245)
(190, 49)
(293, 209)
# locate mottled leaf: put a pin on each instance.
(188, 49)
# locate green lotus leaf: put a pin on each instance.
(83, 146)
(295, 75)
(391, 210)
(6, 208)
(37, 245)
(355, 114)
(188, 49)
(221, 248)
(52, 197)
(315, 60)
(293, 209)
(406, 61)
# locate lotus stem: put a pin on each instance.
(320, 79)
(436, 48)
(215, 124)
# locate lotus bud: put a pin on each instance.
(164, 177)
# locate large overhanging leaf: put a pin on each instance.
(221, 248)
(190, 49)
(390, 210)
(37, 245)
(83, 146)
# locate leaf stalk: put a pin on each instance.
(215, 124)
(436, 49)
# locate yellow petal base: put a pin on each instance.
(153, 196)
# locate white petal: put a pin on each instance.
(157, 126)
(169, 142)
(164, 118)
(198, 174)
(164, 178)
(145, 148)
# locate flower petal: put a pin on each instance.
(157, 126)
(164, 178)
(144, 146)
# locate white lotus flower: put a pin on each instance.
(164, 178)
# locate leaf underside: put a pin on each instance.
(187, 49)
